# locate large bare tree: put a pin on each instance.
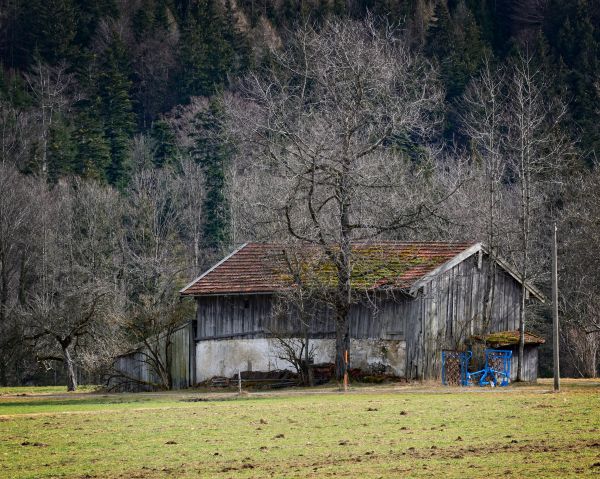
(155, 268)
(519, 153)
(536, 148)
(579, 233)
(337, 129)
(483, 119)
(20, 202)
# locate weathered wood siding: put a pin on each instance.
(453, 307)
(530, 362)
(225, 317)
(134, 370)
(250, 316)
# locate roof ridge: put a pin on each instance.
(249, 268)
(456, 243)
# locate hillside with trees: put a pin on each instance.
(140, 140)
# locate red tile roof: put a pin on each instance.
(260, 267)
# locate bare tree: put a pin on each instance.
(297, 310)
(191, 201)
(20, 201)
(53, 89)
(535, 148)
(69, 312)
(484, 104)
(579, 264)
(519, 151)
(16, 133)
(155, 269)
(329, 127)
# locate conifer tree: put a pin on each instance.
(192, 59)
(89, 15)
(207, 54)
(212, 151)
(166, 149)
(61, 150)
(237, 40)
(576, 42)
(457, 45)
(48, 28)
(116, 110)
(92, 156)
(440, 35)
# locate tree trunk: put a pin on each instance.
(591, 359)
(310, 380)
(3, 288)
(344, 266)
(342, 343)
(489, 296)
(3, 374)
(70, 368)
(168, 372)
(521, 333)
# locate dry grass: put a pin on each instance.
(384, 432)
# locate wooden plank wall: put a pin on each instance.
(250, 316)
(134, 366)
(233, 316)
(181, 362)
(530, 363)
(452, 309)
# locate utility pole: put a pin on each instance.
(555, 312)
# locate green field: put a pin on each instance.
(389, 431)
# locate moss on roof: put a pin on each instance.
(508, 338)
(372, 267)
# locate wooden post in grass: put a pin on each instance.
(239, 381)
(555, 312)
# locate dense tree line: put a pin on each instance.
(133, 129)
(87, 272)
(130, 63)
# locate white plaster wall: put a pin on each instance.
(225, 357)
(387, 354)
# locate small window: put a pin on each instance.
(246, 303)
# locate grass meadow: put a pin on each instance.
(391, 431)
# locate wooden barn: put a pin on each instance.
(415, 300)
(137, 370)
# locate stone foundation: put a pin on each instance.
(225, 357)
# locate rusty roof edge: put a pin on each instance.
(189, 285)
